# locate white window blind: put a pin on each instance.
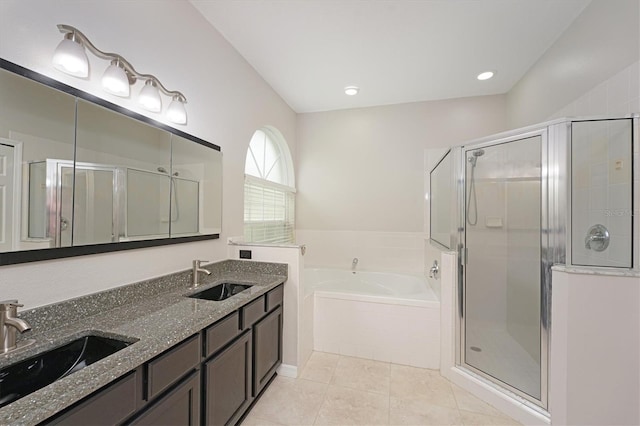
(268, 212)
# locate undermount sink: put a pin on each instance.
(220, 291)
(34, 373)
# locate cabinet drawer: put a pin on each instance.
(173, 364)
(108, 406)
(221, 333)
(180, 406)
(274, 297)
(252, 312)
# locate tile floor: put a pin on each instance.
(340, 390)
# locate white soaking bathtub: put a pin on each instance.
(375, 315)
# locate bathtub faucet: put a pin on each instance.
(354, 263)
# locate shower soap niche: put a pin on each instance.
(493, 222)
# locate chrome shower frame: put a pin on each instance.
(555, 241)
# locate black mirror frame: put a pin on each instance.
(25, 256)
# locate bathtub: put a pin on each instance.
(374, 315)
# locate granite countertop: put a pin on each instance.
(154, 314)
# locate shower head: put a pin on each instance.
(477, 153)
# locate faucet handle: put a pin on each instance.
(10, 304)
(197, 262)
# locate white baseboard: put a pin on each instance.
(288, 371)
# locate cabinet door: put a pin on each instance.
(180, 406)
(228, 383)
(267, 356)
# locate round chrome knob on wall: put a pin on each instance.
(597, 238)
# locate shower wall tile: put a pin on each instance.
(602, 149)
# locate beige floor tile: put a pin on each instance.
(290, 401)
(431, 378)
(477, 419)
(252, 420)
(466, 401)
(422, 387)
(346, 406)
(362, 374)
(320, 367)
(416, 412)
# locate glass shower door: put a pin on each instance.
(501, 323)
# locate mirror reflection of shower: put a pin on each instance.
(472, 219)
(174, 195)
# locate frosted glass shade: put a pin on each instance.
(149, 97)
(176, 111)
(115, 80)
(71, 58)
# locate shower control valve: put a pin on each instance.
(434, 270)
(597, 238)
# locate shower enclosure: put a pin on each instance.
(502, 271)
(558, 193)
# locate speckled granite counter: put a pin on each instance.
(156, 313)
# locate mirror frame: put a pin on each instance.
(25, 256)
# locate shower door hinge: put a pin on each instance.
(464, 254)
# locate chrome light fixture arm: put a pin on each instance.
(73, 33)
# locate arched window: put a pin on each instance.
(269, 189)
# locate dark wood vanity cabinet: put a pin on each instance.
(235, 375)
(227, 379)
(211, 378)
(267, 349)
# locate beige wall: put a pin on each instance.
(227, 102)
(363, 169)
(603, 40)
(361, 178)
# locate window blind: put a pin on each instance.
(269, 210)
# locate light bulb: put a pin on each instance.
(176, 111)
(149, 97)
(485, 75)
(115, 80)
(70, 58)
(351, 90)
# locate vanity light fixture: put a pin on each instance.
(485, 75)
(70, 57)
(351, 90)
(149, 97)
(115, 80)
(176, 111)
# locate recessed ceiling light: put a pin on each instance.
(351, 90)
(486, 75)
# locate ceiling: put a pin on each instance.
(395, 51)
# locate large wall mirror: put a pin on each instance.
(79, 175)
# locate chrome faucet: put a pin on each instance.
(354, 263)
(196, 268)
(10, 324)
